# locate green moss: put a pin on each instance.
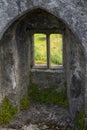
(47, 95)
(47, 77)
(7, 111)
(80, 120)
(55, 86)
(24, 103)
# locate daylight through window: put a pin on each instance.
(56, 57)
(40, 49)
(48, 50)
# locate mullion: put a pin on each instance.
(48, 50)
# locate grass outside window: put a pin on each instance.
(40, 49)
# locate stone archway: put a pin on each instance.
(15, 58)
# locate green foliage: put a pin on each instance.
(47, 95)
(24, 103)
(7, 111)
(40, 48)
(56, 58)
(80, 120)
(55, 49)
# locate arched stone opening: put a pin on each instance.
(16, 60)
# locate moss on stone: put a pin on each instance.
(24, 103)
(80, 120)
(47, 95)
(7, 111)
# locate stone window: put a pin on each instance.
(47, 50)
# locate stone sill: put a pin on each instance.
(58, 69)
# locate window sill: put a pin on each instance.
(57, 69)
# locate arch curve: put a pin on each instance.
(52, 12)
(15, 56)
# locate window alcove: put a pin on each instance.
(19, 66)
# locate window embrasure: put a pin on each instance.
(48, 50)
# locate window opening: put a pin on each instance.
(48, 50)
(40, 57)
(56, 50)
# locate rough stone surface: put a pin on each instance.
(42, 116)
(48, 78)
(19, 19)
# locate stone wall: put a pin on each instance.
(15, 52)
(74, 62)
(48, 78)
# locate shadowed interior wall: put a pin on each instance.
(74, 65)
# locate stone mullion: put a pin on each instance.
(32, 52)
(48, 50)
